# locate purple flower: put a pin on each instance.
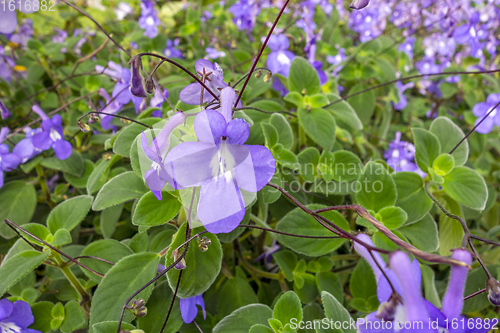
(214, 53)
(52, 135)
(468, 34)
(111, 107)
(407, 47)
(157, 176)
(359, 4)
(8, 23)
(171, 50)
(408, 305)
(245, 13)
(221, 165)
(189, 309)
(149, 20)
(214, 79)
(403, 101)
(159, 97)
(24, 148)
(123, 10)
(280, 59)
(6, 65)
(8, 162)
(134, 45)
(401, 155)
(60, 36)
(267, 255)
(16, 317)
(24, 33)
(4, 112)
(279, 87)
(481, 109)
(337, 61)
(85, 35)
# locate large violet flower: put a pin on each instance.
(408, 306)
(189, 309)
(52, 135)
(8, 161)
(214, 79)
(149, 20)
(280, 59)
(8, 23)
(16, 317)
(221, 165)
(480, 110)
(157, 176)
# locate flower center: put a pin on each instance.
(9, 328)
(54, 135)
(150, 21)
(492, 114)
(283, 59)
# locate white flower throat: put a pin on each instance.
(223, 162)
(9, 328)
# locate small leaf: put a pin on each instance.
(302, 77)
(411, 195)
(69, 213)
(18, 266)
(284, 129)
(126, 186)
(151, 212)
(449, 135)
(467, 187)
(443, 164)
(427, 147)
(286, 260)
(235, 294)
(295, 98)
(61, 237)
(270, 135)
(363, 103)
(241, 320)
(377, 188)
(320, 125)
(18, 203)
(74, 317)
(392, 217)
(287, 308)
(336, 312)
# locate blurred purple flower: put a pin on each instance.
(481, 109)
(401, 156)
(170, 51)
(16, 317)
(407, 47)
(468, 34)
(52, 135)
(134, 45)
(8, 23)
(149, 20)
(245, 13)
(279, 87)
(84, 36)
(8, 162)
(337, 60)
(60, 36)
(221, 165)
(159, 97)
(213, 53)
(123, 10)
(280, 59)
(189, 309)
(157, 176)
(6, 65)
(267, 255)
(403, 101)
(24, 148)
(214, 81)
(4, 112)
(24, 33)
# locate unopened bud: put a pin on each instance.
(181, 264)
(493, 289)
(137, 80)
(359, 4)
(203, 243)
(94, 117)
(137, 308)
(150, 85)
(84, 127)
(268, 77)
(258, 74)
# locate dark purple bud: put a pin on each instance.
(359, 4)
(5, 113)
(493, 289)
(137, 81)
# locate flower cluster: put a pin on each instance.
(401, 156)
(149, 20)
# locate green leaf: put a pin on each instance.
(308, 292)
(431, 293)
(330, 282)
(202, 267)
(336, 312)
(119, 283)
(139, 242)
(17, 267)
(308, 159)
(126, 136)
(427, 147)
(301, 223)
(270, 194)
(295, 98)
(19, 201)
(80, 182)
(110, 327)
(392, 217)
(108, 249)
(100, 173)
(153, 321)
(73, 165)
(346, 166)
(286, 260)
(241, 320)
(443, 164)
(109, 218)
(287, 308)
(151, 212)
(42, 311)
(259, 328)
(303, 78)
(320, 125)
(451, 232)
(316, 101)
(344, 113)
(40, 231)
(423, 234)
(411, 195)
(69, 213)
(270, 134)
(362, 283)
(235, 294)
(467, 187)
(275, 324)
(61, 237)
(126, 186)
(449, 135)
(364, 103)
(377, 188)
(74, 317)
(284, 129)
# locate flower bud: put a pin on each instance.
(137, 80)
(94, 117)
(150, 85)
(84, 127)
(268, 77)
(359, 4)
(493, 289)
(258, 74)
(203, 243)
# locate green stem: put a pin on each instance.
(43, 184)
(70, 276)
